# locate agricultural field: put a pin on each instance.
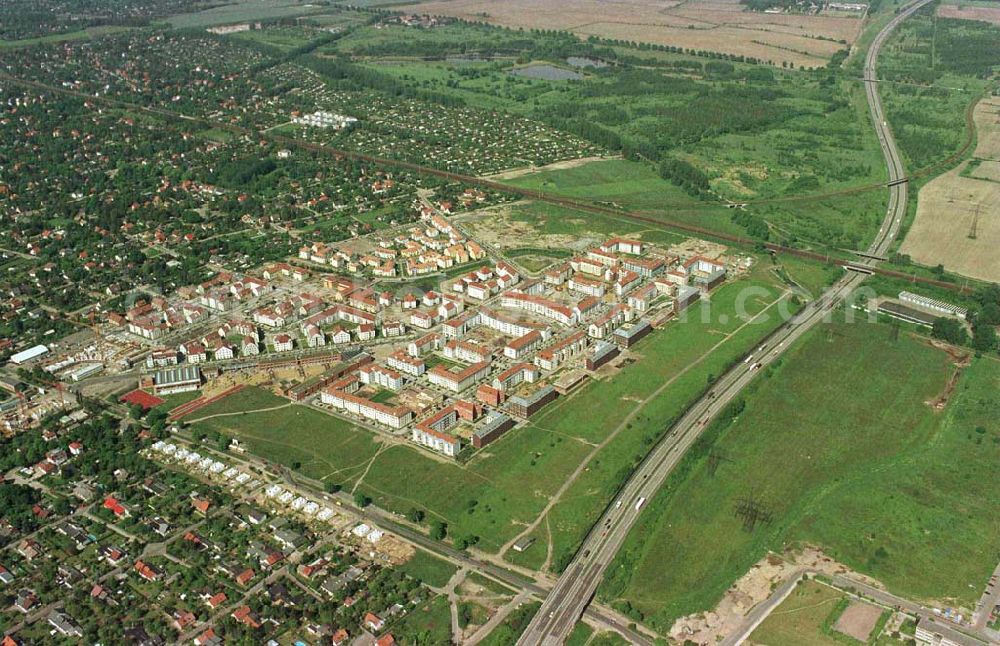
(720, 26)
(957, 223)
(970, 10)
(873, 472)
(242, 11)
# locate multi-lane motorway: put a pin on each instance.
(575, 588)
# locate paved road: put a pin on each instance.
(989, 600)
(574, 590)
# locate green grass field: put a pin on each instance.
(248, 399)
(840, 445)
(429, 569)
(683, 356)
(800, 618)
(580, 635)
(324, 446)
(428, 623)
(751, 131)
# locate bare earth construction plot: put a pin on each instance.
(958, 214)
(718, 25)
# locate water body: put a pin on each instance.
(580, 61)
(547, 73)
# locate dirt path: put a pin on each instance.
(239, 412)
(548, 539)
(560, 165)
(368, 468)
(624, 424)
(496, 619)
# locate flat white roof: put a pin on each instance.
(29, 354)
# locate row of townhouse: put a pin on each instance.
(563, 350)
(285, 270)
(604, 325)
(458, 380)
(226, 296)
(505, 325)
(484, 282)
(588, 286)
(424, 345)
(624, 281)
(403, 362)
(339, 396)
(524, 344)
(511, 377)
(467, 351)
(448, 308)
(539, 305)
(315, 337)
(151, 324)
(431, 432)
(381, 376)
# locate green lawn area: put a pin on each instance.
(608, 639)
(429, 569)
(839, 444)
(382, 396)
(801, 617)
(630, 184)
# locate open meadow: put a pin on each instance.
(714, 25)
(842, 449)
(815, 614)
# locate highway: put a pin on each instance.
(576, 587)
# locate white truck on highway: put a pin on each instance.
(639, 503)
